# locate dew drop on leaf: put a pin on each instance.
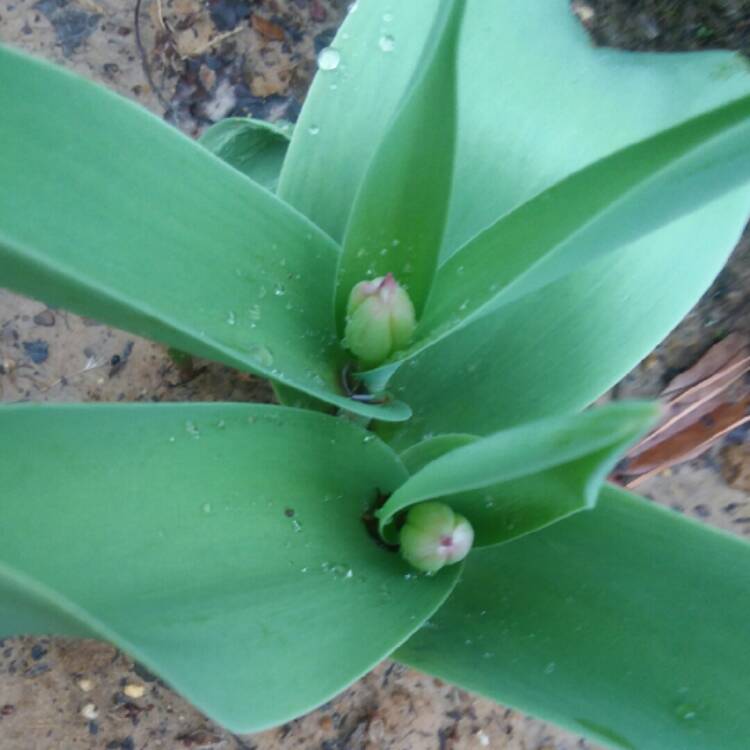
(387, 17)
(279, 290)
(329, 58)
(231, 318)
(313, 130)
(206, 508)
(387, 43)
(686, 711)
(262, 355)
(192, 429)
(550, 668)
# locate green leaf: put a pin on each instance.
(526, 121)
(606, 205)
(349, 109)
(419, 455)
(556, 350)
(254, 147)
(398, 217)
(524, 478)
(180, 533)
(627, 623)
(115, 215)
(257, 149)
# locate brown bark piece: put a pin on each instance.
(702, 404)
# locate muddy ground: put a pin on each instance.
(195, 62)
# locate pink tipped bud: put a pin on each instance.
(380, 320)
(434, 536)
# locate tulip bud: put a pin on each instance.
(434, 536)
(380, 320)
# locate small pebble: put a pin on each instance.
(89, 712)
(484, 740)
(85, 684)
(133, 690)
(45, 318)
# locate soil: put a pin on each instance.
(194, 62)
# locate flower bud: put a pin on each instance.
(380, 320)
(434, 536)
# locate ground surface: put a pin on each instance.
(193, 63)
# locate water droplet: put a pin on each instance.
(460, 270)
(296, 525)
(313, 129)
(262, 355)
(387, 17)
(395, 243)
(550, 668)
(686, 711)
(262, 292)
(279, 290)
(468, 642)
(192, 429)
(254, 313)
(464, 305)
(368, 438)
(221, 424)
(387, 43)
(329, 58)
(231, 318)
(206, 508)
(488, 655)
(337, 570)
(172, 438)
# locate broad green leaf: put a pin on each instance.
(254, 147)
(109, 212)
(398, 217)
(524, 478)
(349, 109)
(537, 102)
(627, 623)
(591, 213)
(558, 349)
(221, 545)
(257, 149)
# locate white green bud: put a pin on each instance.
(434, 536)
(380, 320)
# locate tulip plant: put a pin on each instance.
(479, 224)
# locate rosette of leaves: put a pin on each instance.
(553, 210)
